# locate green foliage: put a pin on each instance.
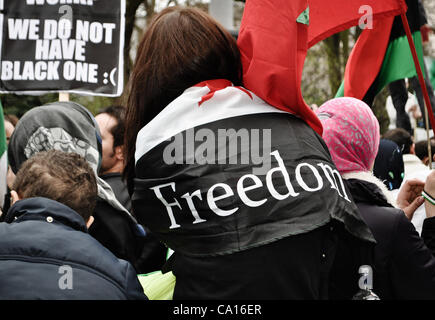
(20, 104)
(380, 110)
(315, 85)
(94, 103)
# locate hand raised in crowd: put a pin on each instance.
(409, 197)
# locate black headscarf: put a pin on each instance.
(389, 165)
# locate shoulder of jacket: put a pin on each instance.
(73, 247)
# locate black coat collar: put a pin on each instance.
(366, 192)
(43, 209)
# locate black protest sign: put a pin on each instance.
(71, 46)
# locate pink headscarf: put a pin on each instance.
(351, 132)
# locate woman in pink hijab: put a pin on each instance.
(351, 132)
(404, 267)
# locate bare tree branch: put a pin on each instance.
(130, 18)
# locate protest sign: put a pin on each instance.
(73, 46)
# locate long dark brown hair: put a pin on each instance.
(181, 47)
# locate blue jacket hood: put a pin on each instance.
(41, 237)
(42, 208)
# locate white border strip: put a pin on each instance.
(1, 38)
(121, 50)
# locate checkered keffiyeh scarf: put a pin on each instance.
(63, 126)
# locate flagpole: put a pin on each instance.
(419, 70)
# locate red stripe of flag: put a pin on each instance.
(328, 17)
(273, 47)
(365, 60)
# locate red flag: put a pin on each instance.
(273, 45)
(366, 59)
(382, 55)
(328, 17)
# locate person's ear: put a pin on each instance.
(90, 221)
(15, 197)
(10, 178)
(412, 149)
(119, 153)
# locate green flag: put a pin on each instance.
(382, 55)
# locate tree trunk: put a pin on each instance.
(150, 8)
(337, 52)
(130, 18)
(332, 49)
(380, 110)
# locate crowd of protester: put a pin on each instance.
(79, 221)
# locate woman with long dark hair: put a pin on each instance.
(181, 48)
(245, 194)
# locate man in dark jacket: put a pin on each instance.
(46, 251)
(399, 93)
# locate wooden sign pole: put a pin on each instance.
(63, 96)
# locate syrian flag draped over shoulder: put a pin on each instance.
(382, 55)
(222, 169)
(3, 158)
